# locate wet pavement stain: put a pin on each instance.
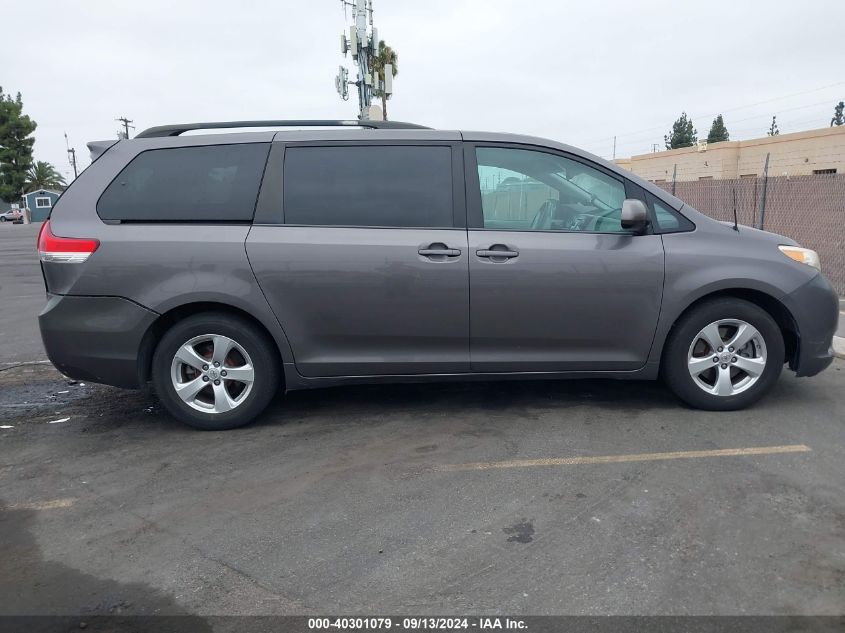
(67, 599)
(522, 532)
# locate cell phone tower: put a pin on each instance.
(362, 43)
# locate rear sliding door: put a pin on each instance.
(361, 250)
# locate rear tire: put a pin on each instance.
(215, 371)
(723, 355)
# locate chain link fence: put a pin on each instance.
(809, 209)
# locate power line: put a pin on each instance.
(752, 131)
(734, 109)
(126, 125)
(71, 156)
(734, 130)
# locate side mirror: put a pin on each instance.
(634, 215)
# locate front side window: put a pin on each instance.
(667, 220)
(526, 190)
(369, 185)
(215, 183)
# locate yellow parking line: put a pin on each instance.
(616, 459)
(42, 505)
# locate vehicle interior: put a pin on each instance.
(527, 190)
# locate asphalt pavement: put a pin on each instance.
(578, 497)
(21, 294)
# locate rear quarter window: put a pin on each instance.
(215, 183)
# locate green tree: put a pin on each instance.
(683, 134)
(773, 129)
(838, 116)
(15, 147)
(385, 56)
(43, 175)
(718, 132)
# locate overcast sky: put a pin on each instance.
(575, 71)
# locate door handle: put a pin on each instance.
(439, 250)
(493, 253)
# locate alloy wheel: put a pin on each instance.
(727, 357)
(212, 373)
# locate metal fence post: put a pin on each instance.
(763, 197)
(674, 173)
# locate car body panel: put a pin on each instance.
(715, 258)
(95, 338)
(569, 301)
(359, 301)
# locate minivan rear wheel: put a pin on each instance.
(723, 355)
(215, 371)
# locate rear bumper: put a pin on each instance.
(95, 338)
(815, 307)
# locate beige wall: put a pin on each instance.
(796, 154)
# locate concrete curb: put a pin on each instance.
(839, 346)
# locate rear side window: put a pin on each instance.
(366, 185)
(215, 183)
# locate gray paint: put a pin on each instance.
(359, 301)
(552, 307)
(355, 305)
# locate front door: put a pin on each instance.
(556, 283)
(366, 263)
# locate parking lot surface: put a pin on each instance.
(581, 497)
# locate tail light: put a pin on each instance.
(66, 250)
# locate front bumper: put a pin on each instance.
(815, 308)
(95, 338)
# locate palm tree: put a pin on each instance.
(42, 175)
(385, 55)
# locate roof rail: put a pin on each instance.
(180, 128)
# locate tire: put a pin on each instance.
(2, 218)
(234, 400)
(689, 368)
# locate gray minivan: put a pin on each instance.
(224, 266)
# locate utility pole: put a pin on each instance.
(614, 148)
(126, 125)
(71, 156)
(362, 43)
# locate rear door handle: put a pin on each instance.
(439, 250)
(508, 254)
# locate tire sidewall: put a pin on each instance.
(676, 373)
(260, 350)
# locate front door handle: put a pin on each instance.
(439, 250)
(493, 252)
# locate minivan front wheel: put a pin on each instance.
(215, 371)
(724, 354)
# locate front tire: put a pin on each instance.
(215, 371)
(723, 355)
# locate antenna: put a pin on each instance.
(736, 224)
(362, 43)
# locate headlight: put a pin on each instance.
(803, 255)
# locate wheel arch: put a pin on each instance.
(774, 307)
(167, 319)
